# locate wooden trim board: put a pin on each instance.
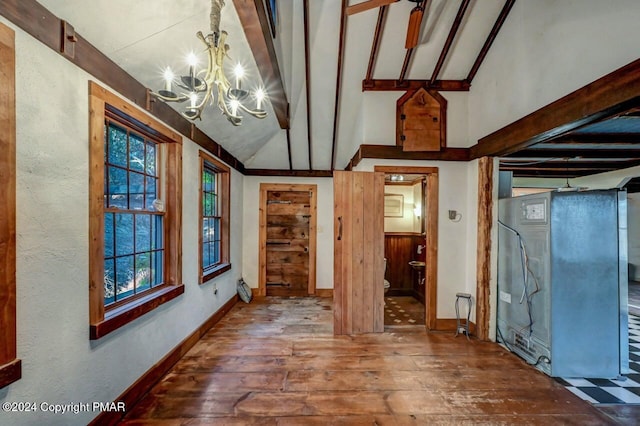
(431, 217)
(262, 232)
(10, 366)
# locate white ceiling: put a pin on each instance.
(145, 36)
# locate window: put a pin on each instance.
(214, 218)
(10, 365)
(135, 213)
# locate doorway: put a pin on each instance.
(287, 240)
(411, 244)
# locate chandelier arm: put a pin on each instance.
(180, 98)
(253, 112)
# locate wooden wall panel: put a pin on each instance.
(359, 251)
(398, 249)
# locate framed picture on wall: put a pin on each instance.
(272, 13)
(393, 205)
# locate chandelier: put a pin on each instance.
(210, 85)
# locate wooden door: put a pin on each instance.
(287, 239)
(358, 294)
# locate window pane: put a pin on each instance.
(205, 256)
(124, 234)
(143, 232)
(124, 277)
(109, 281)
(207, 230)
(215, 256)
(150, 164)
(156, 268)
(117, 188)
(143, 272)
(117, 146)
(136, 153)
(216, 229)
(156, 232)
(136, 191)
(151, 194)
(108, 235)
(214, 205)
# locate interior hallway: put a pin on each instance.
(276, 361)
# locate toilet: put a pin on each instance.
(387, 284)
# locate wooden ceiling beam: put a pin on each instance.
(375, 45)
(288, 173)
(490, 39)
(396, 153)
(409, 54)
(405, 65)
(576, 153)
(608, 96)
(366, 5)
(553, 174)
(598, 138)
(255, 23)
(452, 35)
(307, 73)
(336, 109)
(569, 165)
(381, 85)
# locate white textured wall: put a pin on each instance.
(404, 223)
(250, 235)
(547, 49)
(456, 272)
(60, 364)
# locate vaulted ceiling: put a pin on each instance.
(336, 62)
(144, 37)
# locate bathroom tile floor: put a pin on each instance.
(403, 310)
(604, 391)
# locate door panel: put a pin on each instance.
(358, 252)
(287, 240)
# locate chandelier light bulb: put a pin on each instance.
(260, 95)
(192, 59)
(239, 72)
(168, 79)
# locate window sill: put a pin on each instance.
(126, 313)
(11, 372)
(214, 272)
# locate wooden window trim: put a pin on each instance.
(10, 366)
(224, 174)
(105, 320)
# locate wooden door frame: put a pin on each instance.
(431, 228)
(262, 232)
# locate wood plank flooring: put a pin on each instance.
(276, 362)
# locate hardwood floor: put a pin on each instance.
(276, 362)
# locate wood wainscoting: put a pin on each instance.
(399, 249)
